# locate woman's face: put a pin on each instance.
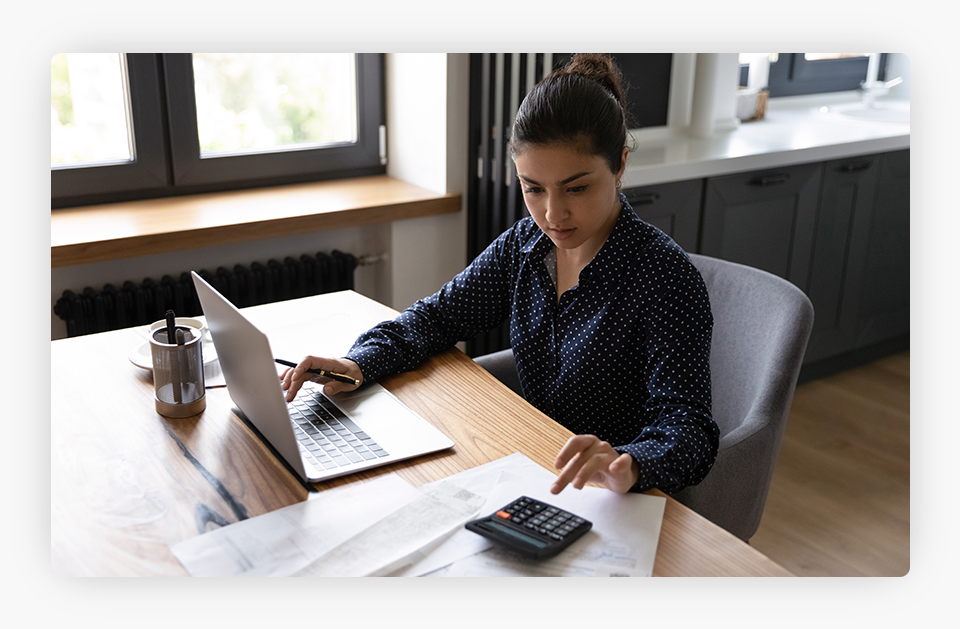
(571, 195)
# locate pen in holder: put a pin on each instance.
(178, 371)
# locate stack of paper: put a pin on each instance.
(408, 531)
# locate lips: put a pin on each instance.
(560, 234)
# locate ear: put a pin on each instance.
(623, 163)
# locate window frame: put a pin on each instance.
(149, 169)
(792, 75)
(189, 168)
(167, 147)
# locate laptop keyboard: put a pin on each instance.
(328, 438)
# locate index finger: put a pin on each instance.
(567, 474)
(575, 444)
(295, 377)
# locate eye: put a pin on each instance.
(576, 189)
(532, 190)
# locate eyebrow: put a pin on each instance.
(565, 181)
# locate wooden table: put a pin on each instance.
(127, 482)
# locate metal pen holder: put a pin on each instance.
(178, 374)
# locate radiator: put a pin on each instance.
(133, 304)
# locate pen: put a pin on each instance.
(339, 377)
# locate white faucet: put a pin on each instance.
(871, 90)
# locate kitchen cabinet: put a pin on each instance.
(860, 279)
(849, 191)
(764, 219)
(880, 242)
(839, 230)
(673, 207)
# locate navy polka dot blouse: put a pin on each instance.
(624, 355)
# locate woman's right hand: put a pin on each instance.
(293, 378)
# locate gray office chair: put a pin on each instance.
(761, 327)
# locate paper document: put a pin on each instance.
(622, 541)
(283, 541)
(386, 544)
(461, 543)
(387, 527)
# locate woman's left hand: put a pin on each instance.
(586, 459)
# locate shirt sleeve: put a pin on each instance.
(474, 301)
(679, 446)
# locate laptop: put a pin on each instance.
(318, 437)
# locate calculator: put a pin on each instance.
(531, 527)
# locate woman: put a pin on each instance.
(610, 323)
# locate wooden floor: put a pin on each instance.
(839, 503)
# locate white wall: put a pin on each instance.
(427, 113)
(427, 134)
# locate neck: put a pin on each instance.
(582, 255)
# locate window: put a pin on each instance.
(75, 178)
(90, 118)
(254, 103)
(182, 123)
(793, 74)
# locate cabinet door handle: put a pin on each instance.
(854, 167)
(770, 180)
(644, 199)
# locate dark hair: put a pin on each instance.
(582, 103)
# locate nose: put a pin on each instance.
(556, 210)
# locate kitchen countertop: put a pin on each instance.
(793, 131)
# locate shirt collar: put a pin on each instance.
(539, 246)
(612, 257)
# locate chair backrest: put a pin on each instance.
(761, 327)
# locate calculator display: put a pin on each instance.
(517, 534)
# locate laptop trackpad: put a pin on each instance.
(389, 421)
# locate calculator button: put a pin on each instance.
(504, 515)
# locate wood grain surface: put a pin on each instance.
(114, 231)
(126, 483)
(840, 500)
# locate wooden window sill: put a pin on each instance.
(97, 233)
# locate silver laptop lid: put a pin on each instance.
(250, 372)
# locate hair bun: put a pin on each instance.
(582, 103)
(600, 68)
